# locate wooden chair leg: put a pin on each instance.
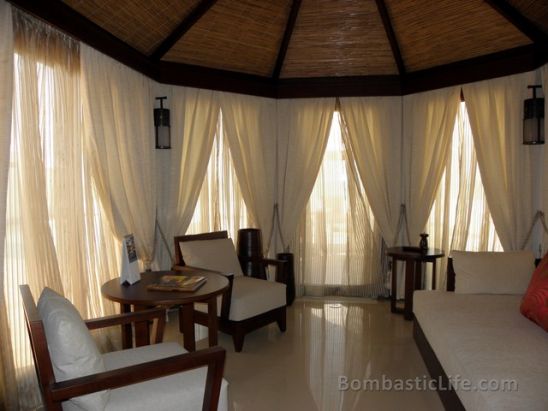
(281, 320)
(238, 336)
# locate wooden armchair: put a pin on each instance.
(54, 393)
(250, 303)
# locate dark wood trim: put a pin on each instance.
(385, 16)
(504, 63)
(448, 396)
(215, 79)
(68, 20)
(450, 275)
(292, 18)
(518, 20)
(201, 8)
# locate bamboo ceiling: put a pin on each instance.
(319, 38)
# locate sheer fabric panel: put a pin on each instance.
(182, 169)
(250, 128)
(495, 108)
(544, 156)
(303, 130)
(428, 125)
(8, 391)
(119, 129)
(55, 234)
(372, 136)
(339, 243)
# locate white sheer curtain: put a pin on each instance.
(120, 144)
(194, 120)
(8, 392)
(373, 140)
(495, 108)
(428, 125)
(220, 205)
(303, 129)
(250, 128)
(54, 232)
(544, 155)
(339, 243)
(460, 218)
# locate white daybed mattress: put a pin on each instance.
(484, 337)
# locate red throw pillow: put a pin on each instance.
(535, 301)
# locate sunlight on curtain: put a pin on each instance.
(460, 218)
(220, 205)
(339, 241)
(55, 234)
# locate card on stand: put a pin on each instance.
(130, 264)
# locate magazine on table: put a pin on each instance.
(184, 283)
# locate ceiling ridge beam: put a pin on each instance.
(518, 20)
(179, 31)
(292, 18)
(383, 11)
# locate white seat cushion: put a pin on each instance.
(216, 255)
(182, 391)
(71, 347)
(251, 297)
(492, 272)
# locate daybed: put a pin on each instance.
(484, 339)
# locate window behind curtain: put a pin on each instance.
(220, 205)
(339, 241)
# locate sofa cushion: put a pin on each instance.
(535, 301)
(182, 391)
(216, 255)
(71, 347)
(492, 272)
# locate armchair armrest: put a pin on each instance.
(127, 318)
(281, 273)
(213, 358)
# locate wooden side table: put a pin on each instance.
(140, 298)
(413, 258)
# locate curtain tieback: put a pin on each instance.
(539, 216)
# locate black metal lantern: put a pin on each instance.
(533, 119)
(162, 126)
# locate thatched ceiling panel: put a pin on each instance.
(432, 33)
(338, 38)
(242, 36)
(140, 23)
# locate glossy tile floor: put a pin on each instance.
(300, 369)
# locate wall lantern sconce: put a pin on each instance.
(533, 119)
(162, 126)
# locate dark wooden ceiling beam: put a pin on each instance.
(519, 21)
(179, 31)
(287, 37)
(387, 23)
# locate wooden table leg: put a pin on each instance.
(409, 288)
(434, 275)
(186, 326)
(142, 329)
(394, 293)
(418, 275)
(127, 333)
(212, 321)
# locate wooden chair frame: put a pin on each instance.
(237, 329)
(54, 393)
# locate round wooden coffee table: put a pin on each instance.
(138, 297)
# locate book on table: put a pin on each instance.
(185, 283)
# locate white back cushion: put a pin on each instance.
(492, 272)
(217, 255)
(71, 347)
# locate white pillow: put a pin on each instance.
(492, 272)
(216, 255)
(71, 347)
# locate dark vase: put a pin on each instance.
(423, 245)
(250, 252)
